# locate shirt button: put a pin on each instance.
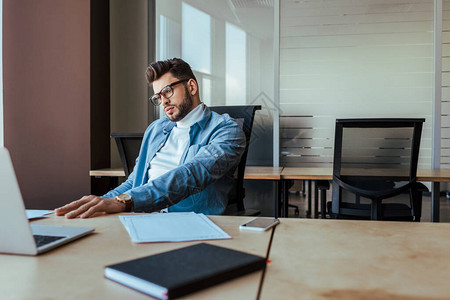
(216, 155)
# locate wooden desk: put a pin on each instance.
(107, 172)
(75, 271)
(251, 172)
(435, 176)
(310, 259)
(340, 259)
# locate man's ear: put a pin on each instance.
(192, 87)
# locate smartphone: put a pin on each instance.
(260, 224)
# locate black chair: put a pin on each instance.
(375, 164)
(244, 115)
(128, 145)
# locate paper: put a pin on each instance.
(171, 227)
(37, 213)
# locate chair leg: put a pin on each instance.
(286, 201)
(308, 212)
(323, 203)
(297, 211)
(376, 211)
(316, 200)
(303, 188)
(323, 186)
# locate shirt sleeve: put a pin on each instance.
(213, 161)
(128, 184)
(125, 186)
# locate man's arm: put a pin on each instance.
(212, 161)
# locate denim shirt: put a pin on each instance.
(204, 178)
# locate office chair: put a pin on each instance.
(244, 115)
(375, 162)
(128, 145)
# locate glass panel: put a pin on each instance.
(169, 47)
(352, 59)
(445, 91)
(215, 38)
(229, 44)
(196, 38)
(235, 64)
(1, 78)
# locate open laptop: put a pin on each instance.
(17, 236)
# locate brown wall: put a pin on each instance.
(46, 73)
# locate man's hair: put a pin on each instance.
(176, 66)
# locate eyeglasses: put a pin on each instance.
(166, 92)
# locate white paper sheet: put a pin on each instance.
(37, 213)
(171, 227)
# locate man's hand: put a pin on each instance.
(88, 206)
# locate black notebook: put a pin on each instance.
(182, 271)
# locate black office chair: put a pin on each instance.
(128, 145)
(244, 115)
(375, 164)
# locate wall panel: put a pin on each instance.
(46, 69)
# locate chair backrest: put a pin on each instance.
(128, 145)
(244, 116)
(373, 156)
(376, 145)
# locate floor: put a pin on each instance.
(296, 198)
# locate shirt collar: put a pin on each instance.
(206, 114)
(192, 117)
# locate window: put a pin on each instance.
(235, 42)
(196, 38)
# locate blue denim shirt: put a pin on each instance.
(203, 180)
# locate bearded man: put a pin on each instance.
(187, 158)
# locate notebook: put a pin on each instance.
(17, 236)
(182, 271)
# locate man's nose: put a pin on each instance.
(164, 100)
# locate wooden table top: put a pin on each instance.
(108, 172)
(277, 173)
(307, 173)
(430, 175)
(340, 259)
(75, 271)
(261, 172)
(251, 172)
(310, 259)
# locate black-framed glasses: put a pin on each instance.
(166, 92)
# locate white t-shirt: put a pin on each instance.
(168, 157)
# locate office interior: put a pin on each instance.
(73, 72)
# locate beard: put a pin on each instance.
(184, 108)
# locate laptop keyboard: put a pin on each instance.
(42, 240)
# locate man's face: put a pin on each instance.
(180, 103)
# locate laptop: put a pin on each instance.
(17, 236)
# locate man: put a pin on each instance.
(187, 159)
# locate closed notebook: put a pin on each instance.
(182, 271)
